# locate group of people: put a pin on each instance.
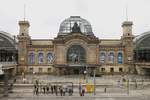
(57, 89)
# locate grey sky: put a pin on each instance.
(45, 16)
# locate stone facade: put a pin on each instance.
(51, 56)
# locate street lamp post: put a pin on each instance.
(128, 87)
(86, 74)
(94, 82)
(33, 76)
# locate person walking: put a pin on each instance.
(44, 89)
(80, 89)
(70, 91)
(55, 89)
(34, 91)
(40, 87)
(61, 90)
(64, 90)
(83, 91)
(37, 90)
(52, 89)
(47, 89)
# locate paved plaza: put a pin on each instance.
(144, 97)
(114, 90)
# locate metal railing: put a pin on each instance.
(8, 62)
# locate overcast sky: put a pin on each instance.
(45, 16)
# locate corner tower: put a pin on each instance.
(24, 27)
(127, 40)
(23, 42)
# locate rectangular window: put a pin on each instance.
(31, 70)
(102, 69)
(40, 70)
(49, 70)
(120, 70)
(111, 69)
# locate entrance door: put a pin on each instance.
(76, 71)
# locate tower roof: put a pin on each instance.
(126, 23)
(24, 23)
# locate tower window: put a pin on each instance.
(22, 34)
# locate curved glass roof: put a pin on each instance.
(7, 41)
(141, 36)
(67, 24)
(142, 41)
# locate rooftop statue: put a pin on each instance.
(76, 28)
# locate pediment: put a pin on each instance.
(71, 36)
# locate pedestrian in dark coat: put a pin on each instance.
(52, 89)
(44, 89)
(34, 89)
(70, 91)
(61, 91)
(80, 89)
(83, 91)
(56, 90)
(47, 88)
(37, 91)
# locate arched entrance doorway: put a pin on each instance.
(76, 54)
(76, 58)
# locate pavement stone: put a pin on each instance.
(26, 91)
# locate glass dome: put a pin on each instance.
(67, 24)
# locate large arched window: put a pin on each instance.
(76, 54)
(102, 57)
(40, 58)
(50, 58)
(31, 58)
(119, 58)
(111, 57)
